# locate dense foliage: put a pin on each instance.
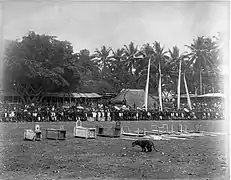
(37, 64)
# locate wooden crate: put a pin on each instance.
(29, 134)
(82, 132)
(38, 135)
(33, 135)
(57, 134)
(108, 132)
(113, 131)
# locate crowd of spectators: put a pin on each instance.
(99, 112)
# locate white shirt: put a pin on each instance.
(94, 114)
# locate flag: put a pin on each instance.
(146, 88)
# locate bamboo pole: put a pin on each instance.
(146, 88)
(160, 91)
(186, 89)
(178, 87)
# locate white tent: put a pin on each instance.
(213, 95)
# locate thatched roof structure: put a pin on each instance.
(135, 98)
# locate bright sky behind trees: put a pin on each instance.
(93, 24)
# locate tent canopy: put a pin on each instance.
(217, 95)
(209, 95)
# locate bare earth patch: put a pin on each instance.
(108, 158)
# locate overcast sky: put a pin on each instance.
(93, 24)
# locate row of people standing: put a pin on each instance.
(71, 115)
(38, 112)
(167, 115)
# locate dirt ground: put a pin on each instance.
(108, 158)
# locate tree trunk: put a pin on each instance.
(186, 89)
(20, 89)
(28, 94)
(178, 87)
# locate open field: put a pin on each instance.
(108, 158)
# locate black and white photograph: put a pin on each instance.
(114, 90)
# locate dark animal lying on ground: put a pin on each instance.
(144, 144)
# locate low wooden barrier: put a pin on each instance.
(126, 132)
(182, 128)
(160, 129)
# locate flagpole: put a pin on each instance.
(146, 88)
(178, 87)
(160, 92)
(186, 89)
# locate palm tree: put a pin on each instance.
(182, 65)
(131, 56)
(175, 57)
(118, 73)
(83, 61)
(161, 61)
(147, 53)
(117, 60)
(102, 58)
(186, 69)
(201, 56)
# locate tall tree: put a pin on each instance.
(174, 57)
(147, 52)
(201, 57)
(186, 69)
(102, 59)
(161, 60)
(181, 66)
(130, 54)
(117, 62)
(91, 79)
(118, 74)
(37, 64)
